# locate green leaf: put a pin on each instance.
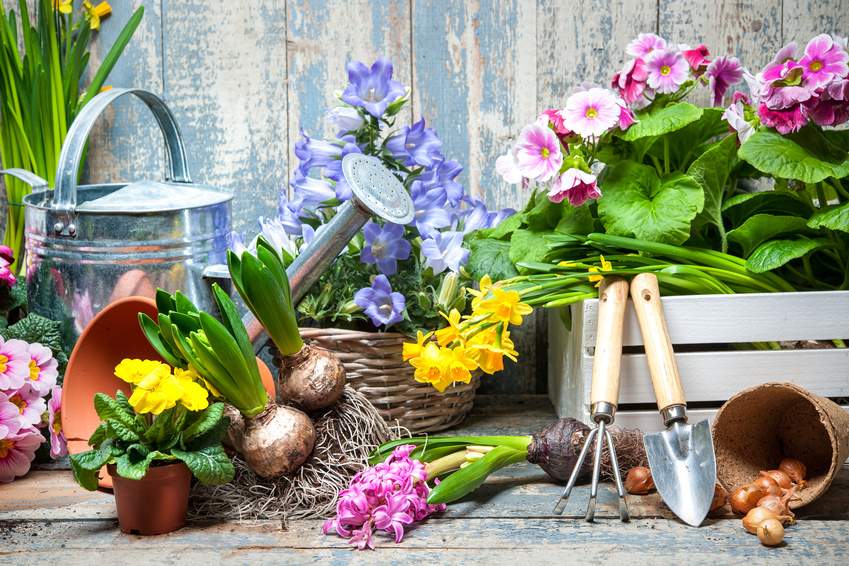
(775, 253)
(575, 220)
(209, 465)
(506, 227)
(113, 55)
(637, 203)
(108, 408)
(711, 171)
(233, 322)
(490, 257)
(86, 465)
(836, 218)
(468, 479)
(661, 121)
(544, 215)
(783, 203)
(184, 305)
(165, 302)
(526, 245)
(206, 420)
(151, 332)
(98, 436)
(761, 227)
(133, 465)
(121, 432)
(784, 157)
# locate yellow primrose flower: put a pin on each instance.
(605, 266)
(64, 6)
(194, 396)
(413, 350)
(155, 392)
(95, 13)
(445, 336)
(133, 371)
(505, 306)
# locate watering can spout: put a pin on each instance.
(375, 192)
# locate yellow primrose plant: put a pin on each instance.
(166, 419)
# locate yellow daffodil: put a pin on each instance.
(95, 13)
(450, 333)
(485, 285)
(460, 366)
(63, 6)
(430, 364)
(605, 266)
(412, 350)
(505, 306)
(496, 341)
(488, 361)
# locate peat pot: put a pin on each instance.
(88, 246)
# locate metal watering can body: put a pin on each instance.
(90, 245)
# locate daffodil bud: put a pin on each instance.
(448, 290)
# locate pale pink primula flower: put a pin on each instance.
(591, 113)
(507, 166)
(43, 368)
(30, 404)
(824, 60)
(58, 445)
(644, 44)
(667, 70)
(575, 185)
(538, 152)
(17, 451)
(14, 363)
(10, 417)
(736, 118)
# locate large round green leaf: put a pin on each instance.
(761, 227)
(661, 121)
(836, 218)
(636, 202)
(775, 253)
(809, 156)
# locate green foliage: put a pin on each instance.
(637, 202)
(468, 479)
(662, 120)
(810, 156)
(775, 253)
(759, 228)
(491, 257)
(36, 328)
(134, 442)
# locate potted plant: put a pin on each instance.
(392, 281)
(153, 442)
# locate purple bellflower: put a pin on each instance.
(385, 246)
(383, 306)
(416, 145)
(372, 89)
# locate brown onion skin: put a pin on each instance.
(771, 532)
(777, 503)
(779, 477)
(767, 485)
(236, 431)
(277, 441)
(745, 498)
(720, 498)
(313, 379)
(793, 468)
(639, 481)
(552, 449)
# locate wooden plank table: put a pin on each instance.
(46, 518)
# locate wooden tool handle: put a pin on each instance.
(661, 358)
(612, 299)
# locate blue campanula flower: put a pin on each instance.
(441, 177)
(416, 145)
(289, 213)
(445, 250)
(316, 153)
(344, 119)
(372, 89)
(431, 213)
(311, 191)
(333, 168)
(379, 303)
(478, 217)
(384, 246)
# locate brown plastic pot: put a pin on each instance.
(111, 336)
(759, 426)
(155, 504)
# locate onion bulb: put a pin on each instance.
(778, 503)
(779, 477)
(767, 485)
(758, 515)
(793, 468)
(311, 379)
(277, 441)
(771, 532)
(745, 498)
(720, 498)
(639, 481)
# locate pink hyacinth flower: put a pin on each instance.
(538, 152)
(575, 185)
(631, 80)
(591, 113)
(17, 451)
(14, 363)
(723, 73)
(784, 121)
(30, 404)
(824, 60)
(667, 70)
(644, 44)
(10, 417)
(697, 58)
(43, 368)
(58, 443)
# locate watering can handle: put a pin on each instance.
(65, 195)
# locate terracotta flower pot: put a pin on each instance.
(111, 336)
(155, 504)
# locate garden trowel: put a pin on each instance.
(681, 458)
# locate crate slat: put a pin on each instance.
(757, 317)
(716, 376)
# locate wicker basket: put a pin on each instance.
(376, 369)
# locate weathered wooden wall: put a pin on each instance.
(242, 77)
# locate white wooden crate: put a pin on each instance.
(713, 373)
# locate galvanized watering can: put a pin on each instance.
(90, 245)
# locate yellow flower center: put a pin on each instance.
(5, 447)
(3, 361)
(816, 65)
(545, 153)
(19, 402)
(34, 370)
(591, 113)
(57, 422)
(665, 70)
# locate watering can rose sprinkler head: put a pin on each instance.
(375, 192)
